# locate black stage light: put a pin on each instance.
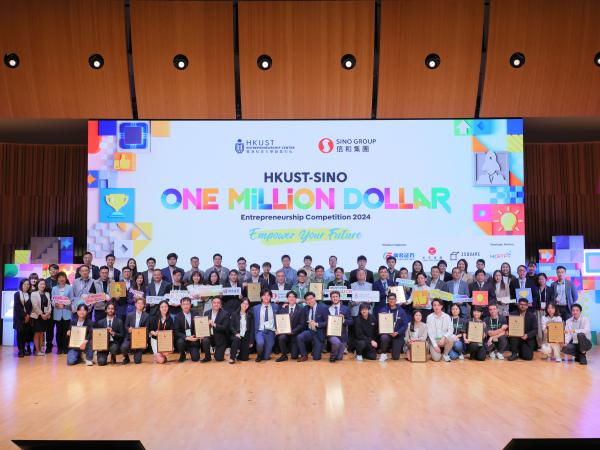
(180, 62)
(11, 60)
(264, 62)
(432, 61)
(348, 61)
(96, 61)
(517, 60)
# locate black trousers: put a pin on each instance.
(137, 354)
(397, 344)
(193, 348)
(365, 349)
(575, 349)
(99, 314)
(476, 352)
(523, 348)
(240, 348)
(62, 340)
(288, 344)
(21, 337)
(50, 334)
(500, 346)
(209, 342)
(113, 349)
(563, 311)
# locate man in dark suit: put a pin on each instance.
(480, 284)
(280, 283)
(401, 321)
(339, 343)
(382, 286)
(185, 332)
(316, 320)
(231, 303)
(157, 287)
(524, 346)
(149, 273)
(136, 319)
(435, 281)
(218, 320)
(116, 334)
(264, 325)
(113, 273)
(290, 341)
(456, 286)
(87, 261)
(267, 275)
(521, 282)
(254, 277)
(362, 264)
(444, 275)
(167, 272)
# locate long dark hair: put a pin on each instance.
(502, 283)
(210, 275)
(414, 273)
(412, 321)
(136, 285)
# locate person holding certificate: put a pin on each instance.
(459, 327)
(474, 337)
(74, 354)
(289, 342)
(101, 286)
(365, 332)
(116, 334)
(218, 321)
(316, 327)
(264, 325)
(439, 329)
(550, 350)
(157, 288)
(241, 326)
(481, 284)
(578, 335)
(162, 322)
(338, 343)
(21, 315)
(416, 332)
(137, 319)
(421, 286)
(543, 295)
(524, 346)
(231, 303)
(400, 320)
(62, 312)
(197, 301)
(339, 279)
(213, 279)
(184, 332)
(177, 285)
(497, 331)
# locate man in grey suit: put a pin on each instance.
(195, 263)
(101, 285)
(456, 286)
(157, 287)
(361, 284)
(435, 282)
(565, 292)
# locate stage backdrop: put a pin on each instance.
(428, 190)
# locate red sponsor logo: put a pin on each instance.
(432, 250)
(325, 145)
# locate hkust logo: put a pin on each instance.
(239, 146)
(261, 146)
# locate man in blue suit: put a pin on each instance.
(565, 293)
(382, 285)
(167, 272)
(401, 321)
(264, 324)
(316, 320)
(456, 286)
(338, 343)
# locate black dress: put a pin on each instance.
(40, 325)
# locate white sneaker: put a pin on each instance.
(447, 358)
(382, 357)
(461, 356)
(89, 363)
(359, 358)
(558, 360)
(500, 356)
(493, 355)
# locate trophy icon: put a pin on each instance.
(116, 202)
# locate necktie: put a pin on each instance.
(291, 311)
(266, 313)
(312, 314)
(522, 283)
(110, 324)
(336, 310)
(384, 286)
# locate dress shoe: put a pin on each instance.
(181, 357)
(332, 359)
(583, 360)
(513, 357)
(126, 360)
(205, 360)
(259, 359)
(303, 358)
(282, 358)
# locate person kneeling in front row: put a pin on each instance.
(74, 354)
(116, 333)
(137, 319)
(365, 331)
(497, 341)
(440, 332)
(523, 346)
(578, 337)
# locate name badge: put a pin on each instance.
(188, 332)
(543, 305)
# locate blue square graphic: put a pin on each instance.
(514, 126)
(133, 135)
(107, 128)
(117, 205)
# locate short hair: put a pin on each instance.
(87, 253)
(123, 269)
(110, 255)
(576, 305)
(423, 274)
(436, 300)
(54, 266)
(523, 300)
(392, 295)
(82, 306)
(481, 260)
(442, 261)
(151, 259)
(403, 269)
(476, 309)
(309, 294)
(267, 264)
(308, 257)
(361, 258)
(254, 266)
(390, 258)
(301, 272)
(333, 256)
(521, 265)
(434, 267)
(291, 293)
(137, 299)
(338, 269)
(532, 263)
(455, 268)
(186, 299)
(217, 254)
(103, 268)
(362, 307)
(333, 292)
(157, 270)
(172, 255)
(561, 267)
(179, 271)
(266, 291)
(241, 258)
(319, 267)
(193, 258)
(234, 271)
(285, 256)
(280, 271)
(382, 268)
(478, 271)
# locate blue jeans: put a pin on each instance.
(457, 349)
(74, 354)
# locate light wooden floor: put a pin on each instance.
(368, 405)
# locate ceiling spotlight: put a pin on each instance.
(432, 61)
(264, 62)
(517, 60)
(348, 61)
(596, 59)
(11, 60)
(96, 61)
(180, 62)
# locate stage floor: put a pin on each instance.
(363, 405)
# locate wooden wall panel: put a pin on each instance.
(412, 29)
(559, 40)
(54, 40)
(306, 40)
(203, 31)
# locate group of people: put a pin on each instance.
(45, 309)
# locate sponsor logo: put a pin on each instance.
(432, 251)
(501, 255)
(261, 146)
(400, 256)
(455, 255)
(325, 145)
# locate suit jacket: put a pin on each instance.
(378, 286)
(256, 314)
(348, 320)
(297, 321)
(165, 288)
(463, 289)
(86, 323)
(117, 327)
(116, 274)
(221, 328)
(529, 283)
(490, 288)
(439, 285)
(179, 325)
(232, 303)
(94, 273)
(130, 322)
(166, 273)
(447, 277)
(321, 314)
(546, 296)
(270, 279)
(234, 325)
(530, 324)
(275, 287)
(354, 279)
(570, 293)
(37, 308)
(20, 310)
(147, 277)
(99, 287)
(402, 319)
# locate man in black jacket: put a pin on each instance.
(136, 319)
(116, 334)
(218, 321)
(524, 346)
(298, 324)
(185, 332)
(362, 264)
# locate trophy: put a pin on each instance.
(116, 202)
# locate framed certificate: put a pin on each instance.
(138, 338)
(480, 298)
(400, 294)
(475, 331)
(254, 292)
(317, 288)
(77, 337)
(418, 352)
(117, 289)
(100, 339)
(516, 326)
(556, 333)
(283, 324)
(165, 341)
(386, 323)
(334, 325)
(201, 326)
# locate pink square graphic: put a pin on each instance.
(482, 213)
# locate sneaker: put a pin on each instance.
(500, 356)
(383, 357)
(89, 363)
(493, 355)
(447, 358)
(359, 358)
(558, 360)
(461, 357)
(231, 361)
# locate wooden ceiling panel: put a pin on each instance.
(203, 32)
(411, 30)
(54, 40)
(559, 40)
(306, 41)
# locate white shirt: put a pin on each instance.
(213, 315)
(109, 322)
(269, 324)
(138, 318)
(439, 326)
(582, 325)
(243, 326)
(111, 274)
(157, 287)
